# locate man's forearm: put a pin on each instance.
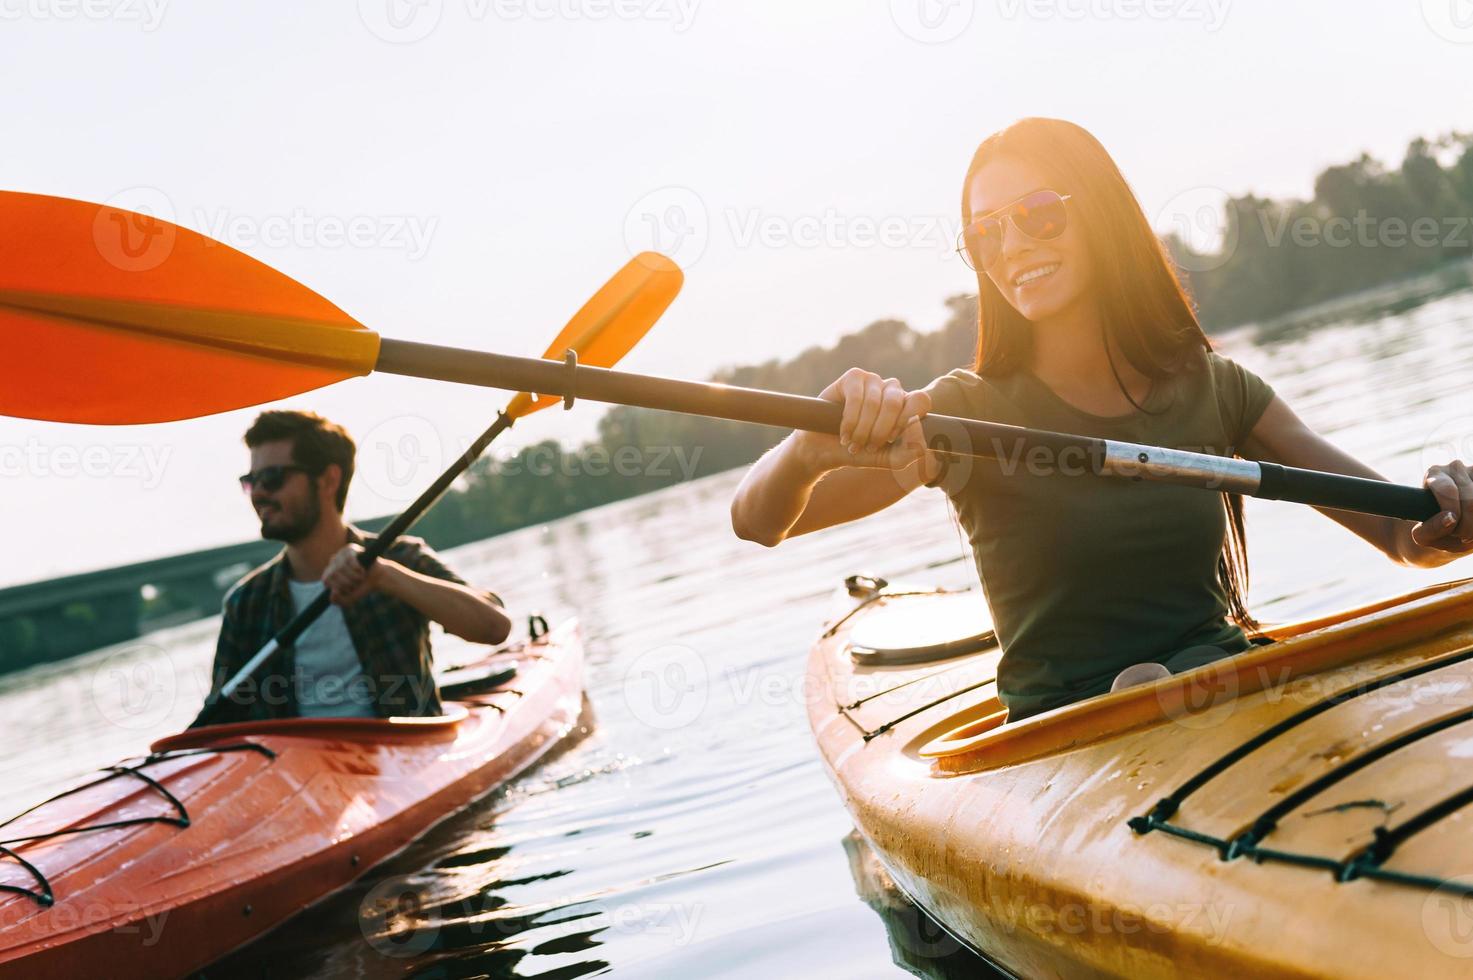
(463, 611)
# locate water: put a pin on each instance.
(694, 832)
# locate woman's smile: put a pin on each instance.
(1037, 286)
(1034, 274)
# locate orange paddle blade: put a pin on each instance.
(109, 316)
(615, 319)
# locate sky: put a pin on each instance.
(467, 172)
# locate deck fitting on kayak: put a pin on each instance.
(864, 586)
(1163, 811)
(43, 893)
(1245, 843)
(45, 896)
(1387, 839)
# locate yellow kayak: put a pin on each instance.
(1301, 810)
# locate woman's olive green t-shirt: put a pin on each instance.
(1086, 575)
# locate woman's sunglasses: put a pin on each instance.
(1039, 215)
(270, 478)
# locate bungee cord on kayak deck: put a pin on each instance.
(1170, 805)
(860, 702)
(868, 734)
(1364, 863)
(45, 896)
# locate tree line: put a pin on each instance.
(1367, 224)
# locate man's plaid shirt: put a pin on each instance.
(392, 639)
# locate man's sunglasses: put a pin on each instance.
(1039, 215)
(270, 478)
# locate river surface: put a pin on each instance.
(694, 833)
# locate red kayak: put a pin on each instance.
(162, 864)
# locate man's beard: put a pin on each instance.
(291, 530)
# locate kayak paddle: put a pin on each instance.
(955, 436)
(305, 343)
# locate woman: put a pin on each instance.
(1095, 583)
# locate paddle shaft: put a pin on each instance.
(293, 630)
(1008, 444)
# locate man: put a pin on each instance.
(368, 655)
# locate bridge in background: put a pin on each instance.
(62, 617)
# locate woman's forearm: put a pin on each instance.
(811, 480)
(774, 493)
(1281, 437)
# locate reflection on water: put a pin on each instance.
(694, 831)
(917, 943)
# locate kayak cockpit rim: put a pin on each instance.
(1329, 643)
(978, 739)
(397, 728)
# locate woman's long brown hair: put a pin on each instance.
(1144, 309)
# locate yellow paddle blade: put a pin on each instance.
(109, 316)
(612, 321)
